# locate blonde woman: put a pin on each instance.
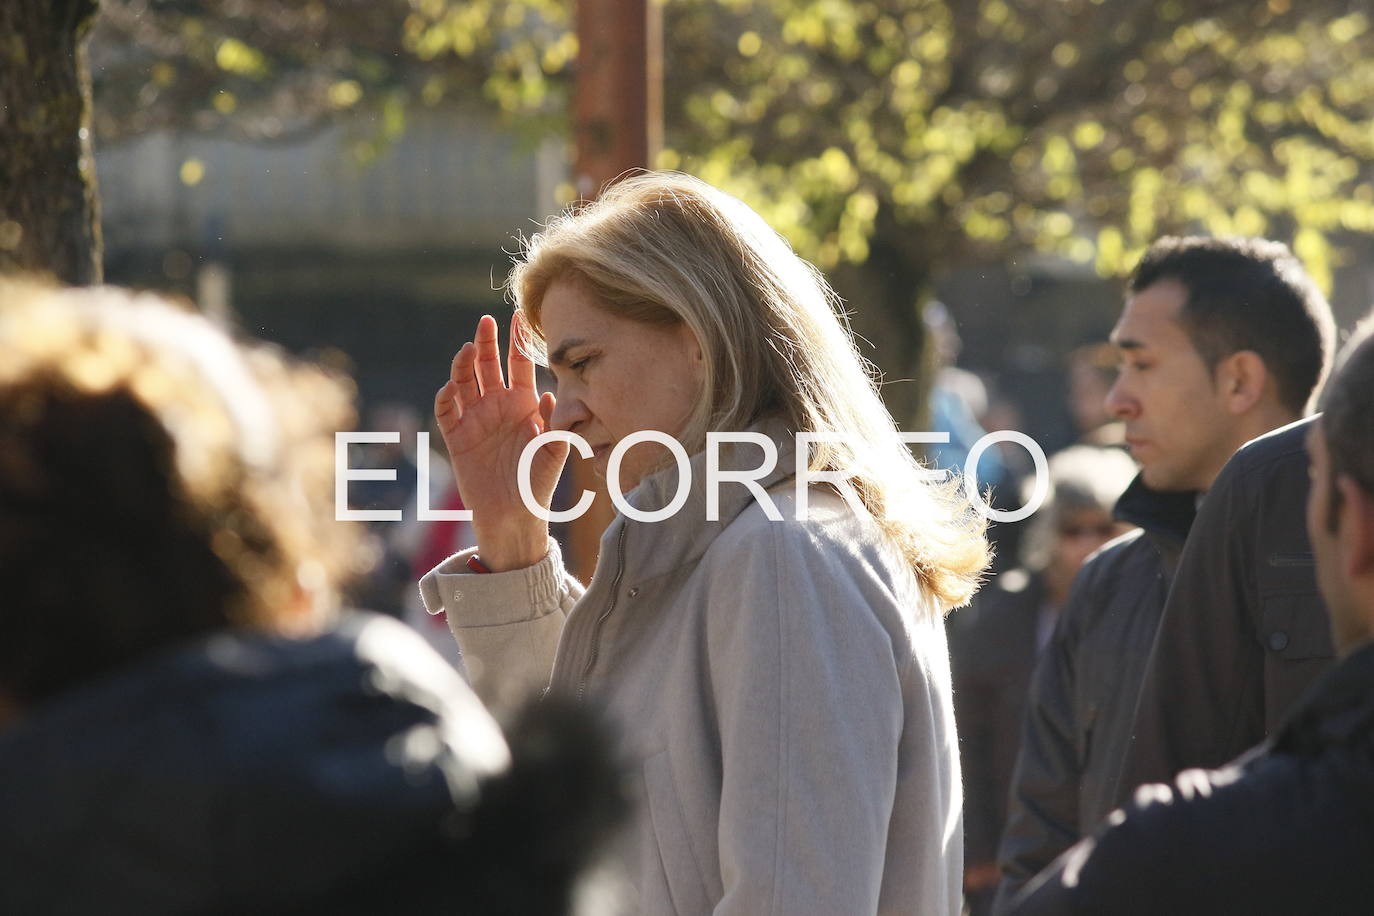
(782, 682)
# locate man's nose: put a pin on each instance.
(1120, 403)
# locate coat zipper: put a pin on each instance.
(610, 606)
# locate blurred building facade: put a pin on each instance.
(385, 267)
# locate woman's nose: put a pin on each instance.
(568, 411)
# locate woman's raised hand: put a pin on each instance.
(486, 424)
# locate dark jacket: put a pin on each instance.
(1083, 693)
(348, 773)
(1244, 632)
(992, 651)
(1286, 831)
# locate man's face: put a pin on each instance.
(1177, 424)
(1348, 626)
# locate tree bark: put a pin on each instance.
(49, 208)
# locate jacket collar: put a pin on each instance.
(1164, 515)
(660, 547)
(1339, 709)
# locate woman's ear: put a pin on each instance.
(1242, 379)
(691, 346)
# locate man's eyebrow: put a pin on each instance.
(1127, 343)
(560, 356)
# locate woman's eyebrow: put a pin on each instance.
(560, 356)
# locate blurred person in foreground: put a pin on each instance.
(781, 676)
(1289, 827)
(993, 643)
(1221, 341)
(186, 724)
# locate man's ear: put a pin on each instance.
(1242, 379)
(1356, 529)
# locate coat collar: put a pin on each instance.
(659, 547)
(1162, 514)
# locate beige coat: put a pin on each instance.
(783, 686)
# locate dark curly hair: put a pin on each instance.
(157, 481)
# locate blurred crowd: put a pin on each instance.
(1164, 689)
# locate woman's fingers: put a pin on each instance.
(520, 369)
(546, 405)
(446, 409)
(488, 356)
(463, 378)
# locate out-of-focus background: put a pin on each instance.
(974, 176)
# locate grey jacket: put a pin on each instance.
(784, 686)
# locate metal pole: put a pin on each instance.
(618, 126)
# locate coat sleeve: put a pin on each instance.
(809, 704)
(1276, 837)
(507, 624)
(1042, 813)
(1202, 698)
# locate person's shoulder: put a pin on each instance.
(1112, 556)
(825, 523)
(830, 547)
(1122, 563)
(1267, 476)
(1285, 447)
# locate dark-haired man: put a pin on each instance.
(1287, 828)
(1221, 341)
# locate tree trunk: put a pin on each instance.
(49, 210)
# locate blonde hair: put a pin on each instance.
(664, 248)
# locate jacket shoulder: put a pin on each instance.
(1109, 560)
(831, 555)
(1284, 448)
(828, 528)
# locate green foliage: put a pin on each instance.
(936, 129)
(270, 70)
(951, 128)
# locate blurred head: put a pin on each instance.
(714, 323)
(1092, 370)
(157, 482)
(1076, 517)
(1340, 504)
(1221, 340)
